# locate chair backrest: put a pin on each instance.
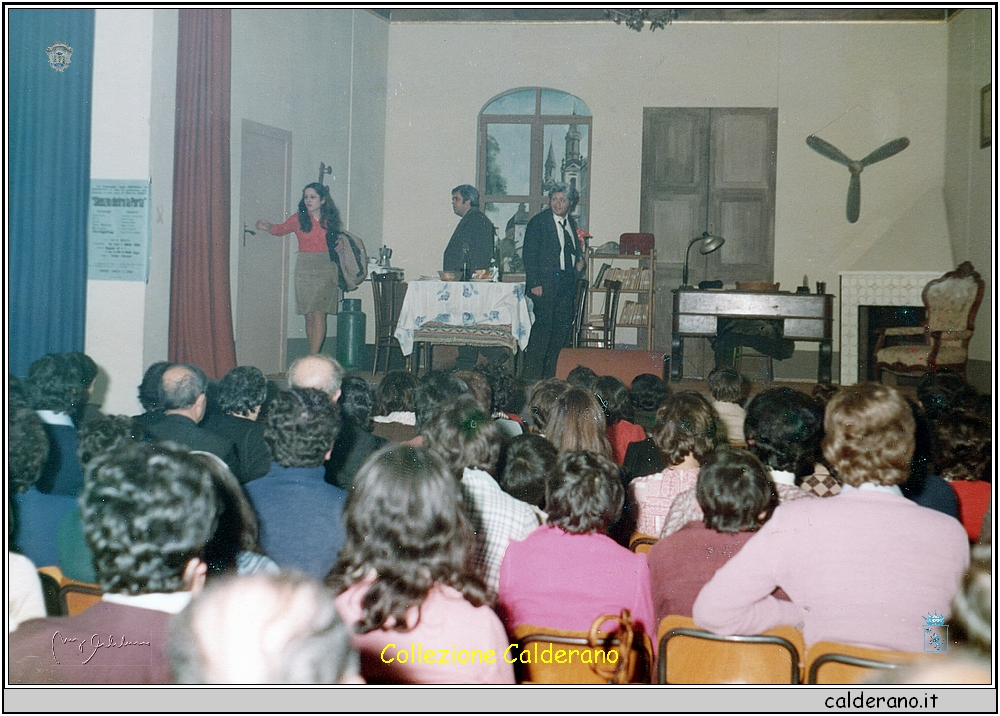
(559, 656)
(641, 543)
(50, 591)
(828, 662)
(74, 597)
(579, 309)
(631, 244)
(952, 301)
(614, 290)
(387, 293)
(689, 655)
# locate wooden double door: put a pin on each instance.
(708, 169)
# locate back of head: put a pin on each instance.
(301, 427)
(735, 492)
(148, 509)
(542, 399)
(726, 385)
(479, 388)
(462, 435)
(585, 494)
(182, 384)
(582, 377)
(27, 442)
(869, 431)
(687, 424)
(85, 367)
(436, 388)
(318, 371)
(243, 390)
(396, 393)
(262, 629)
(406, 523)
(613, 396)
(647, 393)
(236, 526)
(357, 403)
(102, 435)
(530, 459)
(962, 446)
(151, 387)
(784, 428)
(943, 391)
(54, 383)
(506, 395)
(577, 423)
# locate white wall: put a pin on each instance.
(893, 75)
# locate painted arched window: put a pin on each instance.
(530, 139)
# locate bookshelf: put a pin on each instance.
(635, 304)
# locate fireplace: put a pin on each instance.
(872, 319)
(872, 289)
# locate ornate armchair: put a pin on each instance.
(952, 302)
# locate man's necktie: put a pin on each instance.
(567, 248)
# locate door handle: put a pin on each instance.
(247, 230)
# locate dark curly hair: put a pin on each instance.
(436, 388)
(943, 391)
(27, 441)
(726, 384)
(462, 435)
(507, 396)
(356, 403)
(147, 510)
(329, 217)
(54, 383)
(687, 424)
(962, 446)
(582, 377)
(479, 388)
(301, 427)
(542, 399)
(529, 461)
(613, 396)
(151, 387)
(85, 366)
(103, 434)
(585, 493)
(784, 429)
(395, 393)
(734, 490)
(406, 524)
(236, 525)
(243, 390)
(648, 392)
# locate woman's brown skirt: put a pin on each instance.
(316, 287)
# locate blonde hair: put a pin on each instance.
(577, 423)
(869, 435)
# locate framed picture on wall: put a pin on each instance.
(986, 115)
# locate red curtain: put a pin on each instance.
(201, 324)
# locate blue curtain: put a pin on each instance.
(48, 182)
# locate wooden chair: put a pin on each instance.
(50, 592)
(622, 656)
(73, 596)
(689, 655)
(579, 309)
(641, 543)
(388, 290)
(830, 663)
(952, 303)
(605, 329)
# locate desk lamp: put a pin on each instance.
(710, 243)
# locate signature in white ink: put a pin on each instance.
(95, 642)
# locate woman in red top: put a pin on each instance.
(962, 452)
(614, 399)
(317, 277)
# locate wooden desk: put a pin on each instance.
(805, 317)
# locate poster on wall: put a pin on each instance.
(118, 228)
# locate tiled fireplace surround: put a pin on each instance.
(873, 288)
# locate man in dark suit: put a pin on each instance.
(241, 394)
(184, 401)
(158, 506)
(552, 263)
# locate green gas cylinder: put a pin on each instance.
(350, 334)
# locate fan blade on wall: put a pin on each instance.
(855, 167)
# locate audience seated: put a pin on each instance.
(395, 405)
(27, 450)
(542, 400)
(263, 629)
(962, 457)
(568, 572)
(318, 371)
(728, 390)
(436, 389)
(528, 463)
(842, 560)
(184, 401)
(469, 445)
(923, 486)
(299, 512)
(506, 398)
(87, 370)
(148, 511)
(241, 394)
(582, 377)
(404, 579)
(613, 396)
(151, 394)
(736, 496)
(55, 391)
(688, 431)
(576, 422)
(34, 515)
(355, 442)
(648, 393)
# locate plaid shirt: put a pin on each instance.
(497, 518)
